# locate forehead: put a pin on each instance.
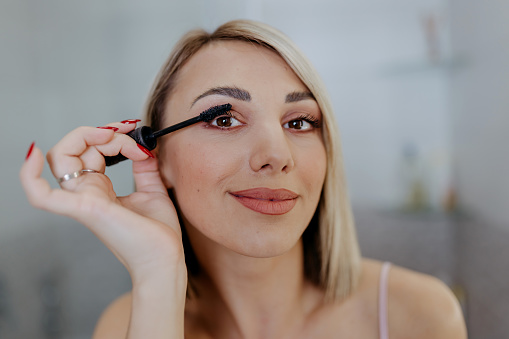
(235, 63)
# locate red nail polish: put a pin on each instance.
(146, 151)
(114, 129)
(30, 149)
(130, 121)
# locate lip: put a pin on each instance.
(267, 201)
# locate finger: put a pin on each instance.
(85, 148)
(93, 157)
(147, 176)
(64, 156)
(38, 191)
(122, 127)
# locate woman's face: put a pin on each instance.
(251, 181)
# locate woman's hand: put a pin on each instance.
(141, 229)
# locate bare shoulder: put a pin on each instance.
(422, 306)
(114, 321)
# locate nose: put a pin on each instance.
(271, 151)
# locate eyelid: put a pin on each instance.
(313, 120)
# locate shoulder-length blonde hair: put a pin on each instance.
(331, 251)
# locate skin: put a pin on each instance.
(252, 283)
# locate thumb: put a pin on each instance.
(147, 177)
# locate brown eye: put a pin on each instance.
(224, 121)
(296, 124)
(303, 123)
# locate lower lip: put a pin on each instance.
(271, 207)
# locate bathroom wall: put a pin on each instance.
(480, 104)
(480, 112)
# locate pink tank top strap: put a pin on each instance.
(382, 301)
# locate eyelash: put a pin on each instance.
(312, 120)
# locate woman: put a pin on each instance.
(257, 239)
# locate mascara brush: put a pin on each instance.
(148, 138)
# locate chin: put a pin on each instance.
(265, 248)
(251, 239)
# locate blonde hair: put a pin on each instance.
(331, 251)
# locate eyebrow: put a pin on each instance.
(298, 96)
(232, 92)
(243, 95)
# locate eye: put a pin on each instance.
(226, 121)
(303, 123)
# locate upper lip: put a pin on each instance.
(264, 193)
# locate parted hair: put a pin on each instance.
(331, 251)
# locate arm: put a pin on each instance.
(160, 302)
(145, 304)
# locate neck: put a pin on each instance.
(240, 296)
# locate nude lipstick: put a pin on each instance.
(266, 200)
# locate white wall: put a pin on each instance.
(480, 121)
(480, 97)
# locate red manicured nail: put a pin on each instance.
(130, 121)
(114, 129)
(146, 151)
(30, 149)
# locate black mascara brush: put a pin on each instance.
(148, 139)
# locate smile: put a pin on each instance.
(266, 200)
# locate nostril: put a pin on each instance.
(268, 165)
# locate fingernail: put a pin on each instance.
(146, 151)
(114, 129)
(30, 149)
(130, 121)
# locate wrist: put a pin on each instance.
(165, 273)
(158, 305)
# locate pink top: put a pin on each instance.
(382, 301)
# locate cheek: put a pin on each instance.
(314, 171)
(196, 170)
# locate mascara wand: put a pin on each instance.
(148, 139)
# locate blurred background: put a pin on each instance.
(421, 93)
